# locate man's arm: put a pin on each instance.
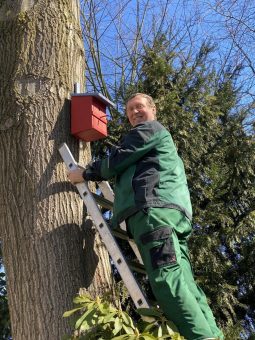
(140, 140)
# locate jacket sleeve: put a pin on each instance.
(140, 140)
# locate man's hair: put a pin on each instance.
(149, 98)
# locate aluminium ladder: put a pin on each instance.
(91, 201)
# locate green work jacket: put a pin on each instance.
(148, 172)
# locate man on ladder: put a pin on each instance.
(152, 196)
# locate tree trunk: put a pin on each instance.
(49, 252)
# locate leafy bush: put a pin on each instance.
(99, 320)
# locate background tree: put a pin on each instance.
(200, 110)
(116, 33)
(233, 27)
(202, 96)
(49, 253)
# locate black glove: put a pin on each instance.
(91, 172)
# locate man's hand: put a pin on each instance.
(75, 176)
(84, 174)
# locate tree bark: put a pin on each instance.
(49, 251)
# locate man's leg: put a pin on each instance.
(197, 291)
(183, 228)
(159, 246)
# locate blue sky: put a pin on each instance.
(227, 24)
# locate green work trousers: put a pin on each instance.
(161, 236)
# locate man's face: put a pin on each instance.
(139, 110)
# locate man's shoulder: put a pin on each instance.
(144, 132)
(151, 126)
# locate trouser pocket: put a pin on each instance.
(162, 250)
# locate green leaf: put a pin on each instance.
(82, 299)
(160, 333)
(149, 312)
(127, 320)
(128, 330)
(147, 337)
(148, 319)
(124, 337)
(87, 315)
(124, 317)
(103, 308)
(149, 327)
(70, 312)
(171, 327)
(100, 320)
(85, 326)
(109, 317)
(117, 325)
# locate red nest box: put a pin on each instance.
(88, 116)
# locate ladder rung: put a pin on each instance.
(138, 267)
(103, 201)
(122, 234)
